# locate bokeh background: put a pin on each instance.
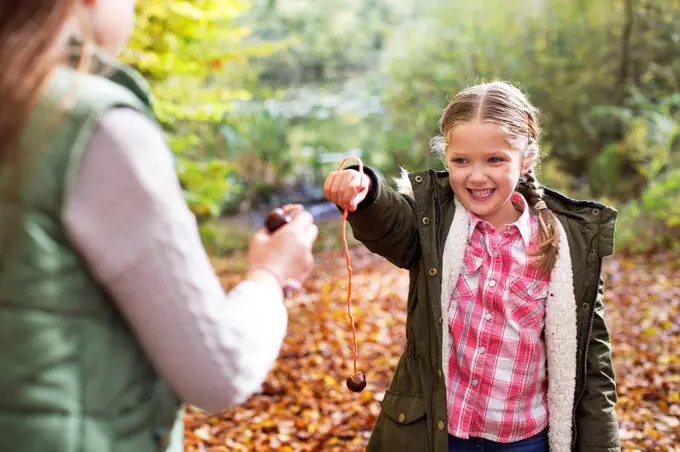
(261, 99)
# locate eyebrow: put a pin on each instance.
(491, 152)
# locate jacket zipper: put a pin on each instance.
(438, 221)
(585, 353)
(438, 218)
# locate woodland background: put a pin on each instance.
(262, 98)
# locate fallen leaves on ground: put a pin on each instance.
(305, 406)
(643, 311)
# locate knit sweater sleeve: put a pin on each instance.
(126, 215)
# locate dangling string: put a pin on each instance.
(349, 265)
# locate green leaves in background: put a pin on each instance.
(282, 89)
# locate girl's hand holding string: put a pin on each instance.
(347, 188)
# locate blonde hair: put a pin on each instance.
(504, 104)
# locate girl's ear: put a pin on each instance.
(527, 164)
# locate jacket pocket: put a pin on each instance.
(403, 426)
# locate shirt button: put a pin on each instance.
(488, 316)
(433, 272)
(492, 283)
(495, 254)
(426, 221)
(440, 425)
(475, 382)
(531, 291)
(482, 349)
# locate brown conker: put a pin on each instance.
(356, 382)
(276, 219)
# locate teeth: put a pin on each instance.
(481, 193)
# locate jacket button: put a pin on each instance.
(402, 417)
(440, 425)
(441, 320)
(419, 179)
(596, 211)
(433, 272)
(585, 305)
(426, 221)
(439, 372)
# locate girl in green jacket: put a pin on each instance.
(111, 314)
(507, 347)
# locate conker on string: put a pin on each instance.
(276, 219)
(356, 382)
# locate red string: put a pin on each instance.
(349, 266)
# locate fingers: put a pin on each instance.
(289, 209)
(327, 186)
(342, 187)
(350, 190)
(302, 219)
(303, 226)
(313, 233)
(337, 188)
(354, 189)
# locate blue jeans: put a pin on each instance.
(538, 443)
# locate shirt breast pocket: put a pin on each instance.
(526, 301)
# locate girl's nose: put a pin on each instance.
(477, 176)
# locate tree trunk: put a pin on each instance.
(626, 45)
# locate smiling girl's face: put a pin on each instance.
(484, 170)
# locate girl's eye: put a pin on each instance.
(495, 160)
(458, 161)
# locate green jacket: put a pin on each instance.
(72, 375)
(415, 229)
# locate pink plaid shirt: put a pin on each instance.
(497, 385)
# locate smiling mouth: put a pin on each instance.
(482, 194)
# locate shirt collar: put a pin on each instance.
(523, 224)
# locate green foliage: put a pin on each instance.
(649, 141)
(183, 48)
(331, 39)
(196, 56)
(653, 221)
(205, 184)
(256, 141)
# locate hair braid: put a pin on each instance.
(549, 237)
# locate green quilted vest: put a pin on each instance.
(72, 376)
